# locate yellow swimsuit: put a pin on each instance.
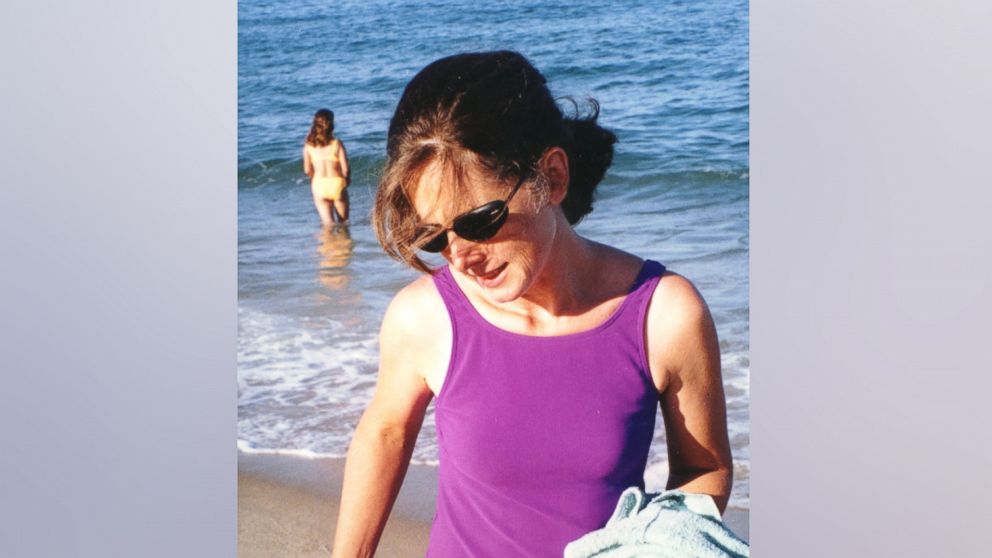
(328, 187)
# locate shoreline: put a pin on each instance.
(287, 506)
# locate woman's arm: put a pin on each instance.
(307, 163)
(343, 157)
(380, 450)
(684, 354)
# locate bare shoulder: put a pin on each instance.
(416, 332)
(679, 328)
(415, 306)
(675, 300)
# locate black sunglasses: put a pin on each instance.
(481, 223)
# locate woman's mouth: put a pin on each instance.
(491, 278)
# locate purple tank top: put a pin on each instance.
(538, 436)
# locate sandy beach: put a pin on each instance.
(287, 507)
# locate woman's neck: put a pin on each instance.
(565, 284)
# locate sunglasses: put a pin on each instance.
(481, 223)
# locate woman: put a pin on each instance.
(326, 163)
(548, 353)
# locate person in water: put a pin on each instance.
(326, 163)
(549, 354)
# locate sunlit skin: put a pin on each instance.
(535, 277)
(317, 163)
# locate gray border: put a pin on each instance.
(118, 242)
(870, 278)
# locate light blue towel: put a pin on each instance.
(673, 524)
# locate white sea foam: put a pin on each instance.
(247, 447)
(655, 476)
(301, 384)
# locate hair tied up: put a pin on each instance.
(590, 154)
(492, 109)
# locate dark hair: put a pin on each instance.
(488, 108)
(322, 129)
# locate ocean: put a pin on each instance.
(672, 82)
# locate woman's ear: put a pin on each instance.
(554, 166)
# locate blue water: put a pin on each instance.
(672, 80)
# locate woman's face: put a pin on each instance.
(506, 265)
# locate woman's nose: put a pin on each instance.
(462, 253)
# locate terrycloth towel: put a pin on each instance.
(673, 524)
